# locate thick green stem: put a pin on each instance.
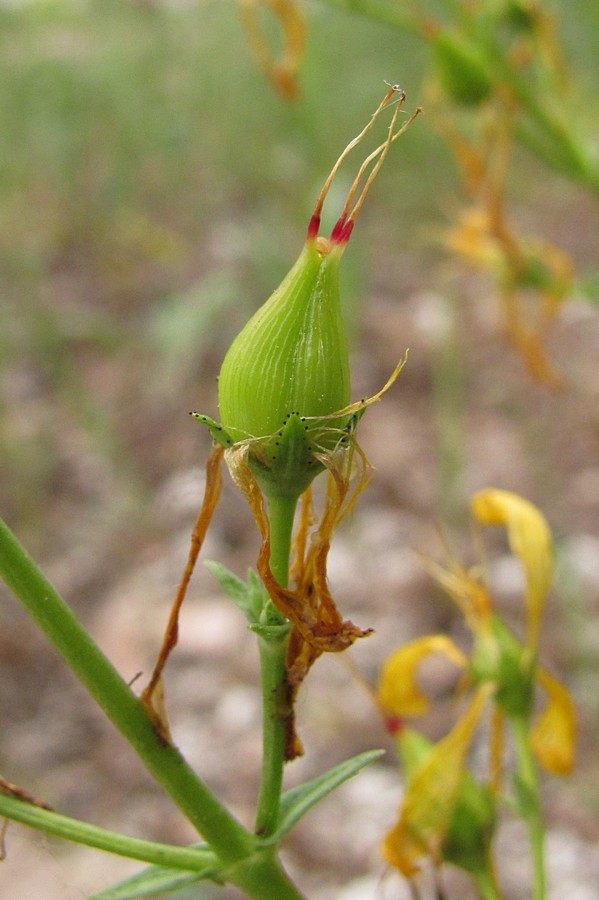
(219, 828)
(263, 878)
(273, 651)
(529, 802)
(281, 513)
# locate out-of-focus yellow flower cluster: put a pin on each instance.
(501, 673)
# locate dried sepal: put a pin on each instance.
(153, 695)
(317, 625)
(280, 70)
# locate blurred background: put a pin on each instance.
(154, 190)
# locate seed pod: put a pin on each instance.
(284, 386)
(292, 357)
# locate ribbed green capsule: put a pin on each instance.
(292, 355)
(288, 370)
(284, 385)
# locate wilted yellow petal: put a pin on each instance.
(466, 590)
(432, 793)
(530, 540)
(553, 731)
(398, 691)
(472, 239)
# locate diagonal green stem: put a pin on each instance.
(256, 871)
(218, 827)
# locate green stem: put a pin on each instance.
(281, 513)
(219, 828)
(551, 138)
(262, 878)
(487, 885)
(529, 801)
(273, 652)
(256, 871)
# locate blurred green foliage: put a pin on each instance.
(150, 179)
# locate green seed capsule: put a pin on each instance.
(284, 386)
(292, 356)
(288, 368)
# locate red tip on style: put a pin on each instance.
(394, 725)
(313, 227)
(336, 232)
(341, 233)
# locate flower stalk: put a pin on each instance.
(528, 801)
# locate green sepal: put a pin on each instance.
(501, 658)
(156, 880)
(412, 749)
(285, 465)
(296, 802)
(217, 431)
(471, 827)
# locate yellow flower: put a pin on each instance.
(501, 669)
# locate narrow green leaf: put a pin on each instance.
(250, 597)
(296, 802)
(237, 590)
(182, 858)
(155, 880)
